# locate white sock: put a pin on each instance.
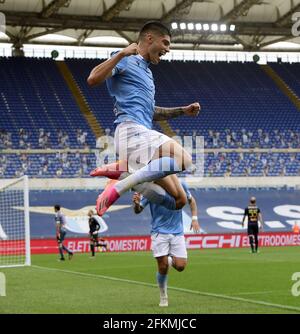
(170, 261)
(124, 175)
(152, 191)
(163, 292)
(162, 283)
(156, 169)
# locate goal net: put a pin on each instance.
(14, 223)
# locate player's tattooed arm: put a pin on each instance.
(162, 114)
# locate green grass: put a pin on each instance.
(215, 281)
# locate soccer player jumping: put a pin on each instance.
(130, 83)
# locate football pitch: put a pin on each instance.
(215, 281)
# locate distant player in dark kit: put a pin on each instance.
(61, 232)
(93, 233)
(254, 215)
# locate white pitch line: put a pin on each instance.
(200, 293)
(256, 292)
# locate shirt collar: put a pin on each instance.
(143, 61)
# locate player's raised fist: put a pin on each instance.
(192, 109)
(130, 50)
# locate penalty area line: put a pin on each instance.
(194, 292)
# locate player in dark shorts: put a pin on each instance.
(254, 215)
(61, 232)
(93, 233)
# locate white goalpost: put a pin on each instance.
(14, 223)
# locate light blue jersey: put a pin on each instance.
(166, 221)
(132, 89)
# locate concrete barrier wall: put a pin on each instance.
(206, 182)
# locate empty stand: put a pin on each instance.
(34, 95)
(241, 108)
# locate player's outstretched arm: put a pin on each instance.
(244, 217)
(103, 71)
(57, 232)
(261, 220)
(97, 225)
(194, 209)
(161, 113)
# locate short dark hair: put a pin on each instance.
(57, 207)
(155, 26)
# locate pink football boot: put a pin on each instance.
(107, 198)
(112, 171)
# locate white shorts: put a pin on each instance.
(137, 144)
(168, 244)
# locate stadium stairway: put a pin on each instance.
(283, 86)
(80, 99)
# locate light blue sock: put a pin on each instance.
(155, 170)
(156, 194)
(162, 281)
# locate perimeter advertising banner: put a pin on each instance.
(143, 243)
(219, 212)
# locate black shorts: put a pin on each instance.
(62, 236)
(252, 229)
(94, 237)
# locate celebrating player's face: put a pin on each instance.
(159, 47)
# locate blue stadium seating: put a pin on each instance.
(290, 73)
(74, 165)
(34, 95)
(237, 99)
(216, 165)
(232, 95)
